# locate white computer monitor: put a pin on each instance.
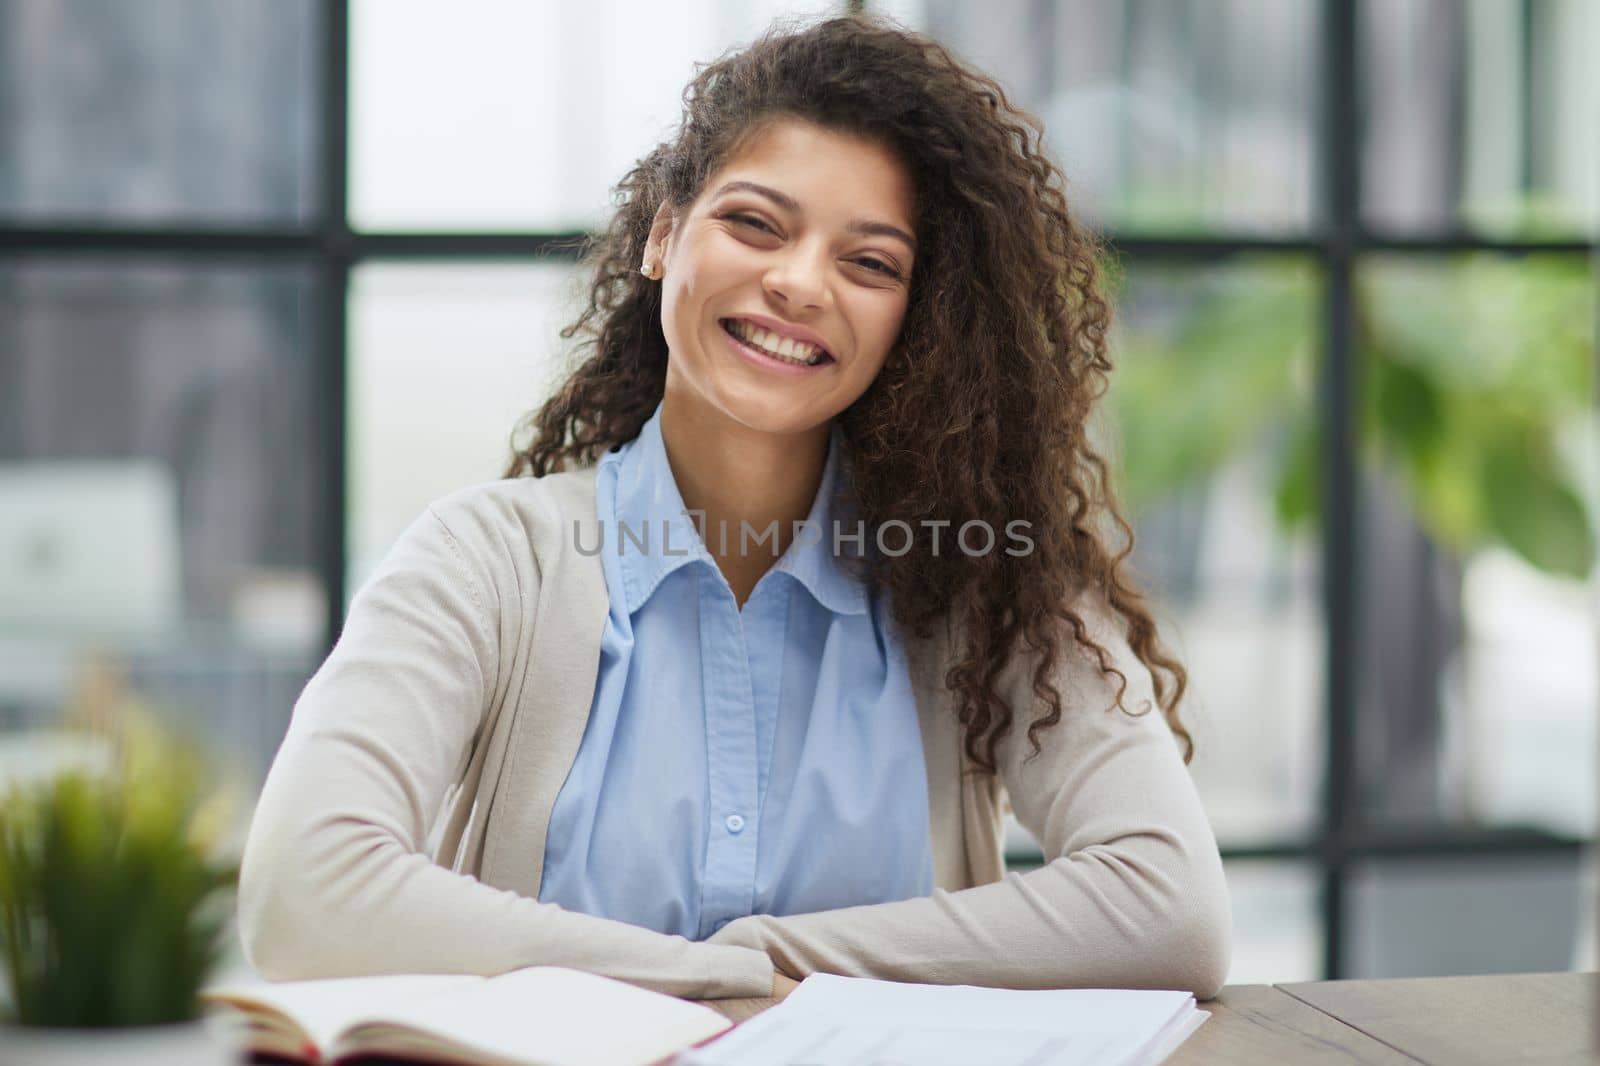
(89, 549)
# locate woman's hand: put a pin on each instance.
(782, 985)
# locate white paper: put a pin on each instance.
(1170, 1041)
(842, 1021)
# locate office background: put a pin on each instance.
(275, 274)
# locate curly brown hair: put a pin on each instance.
(1005, 302)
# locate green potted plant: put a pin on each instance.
(113, 906)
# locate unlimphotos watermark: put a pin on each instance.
(893, 538)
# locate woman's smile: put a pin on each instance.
(772, 351)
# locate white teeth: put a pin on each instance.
(785, 348)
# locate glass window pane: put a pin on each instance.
(161, 473)
(1277, 922)
(1210, 407)
(1478, 700)
(1481, 116)
(444, 359)
(1173, 116)
(1468, 914)
(528, 113)
(168, 111)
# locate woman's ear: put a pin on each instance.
(655, 248)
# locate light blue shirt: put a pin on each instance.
(763, 761)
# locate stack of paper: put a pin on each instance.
(832, 1020)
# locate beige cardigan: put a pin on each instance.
(402, 825)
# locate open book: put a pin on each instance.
(835, 1021)
(539, 1016)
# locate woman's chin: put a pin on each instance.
(765, 409)
(766, 404)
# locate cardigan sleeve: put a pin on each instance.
(336, 879)
(1131, 894)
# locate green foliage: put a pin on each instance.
(111, 906)
(1211, 377)
(1471, 369)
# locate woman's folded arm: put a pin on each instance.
(336, 878)
(1131, 895)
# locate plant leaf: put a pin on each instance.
(1535, 513)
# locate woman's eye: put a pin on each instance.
(877, 265)
(750, 220)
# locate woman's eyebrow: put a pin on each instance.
(865, 227)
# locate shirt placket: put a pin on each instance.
(765, 623)
(732, 759)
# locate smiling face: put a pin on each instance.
(802, 241)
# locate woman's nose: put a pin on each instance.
(799, 278)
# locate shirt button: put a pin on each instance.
(734, 823)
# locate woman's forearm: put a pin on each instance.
(1123, 915)
(336, 896)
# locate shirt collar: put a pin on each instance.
(648, 503)
(810, 558)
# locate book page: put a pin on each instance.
(323, 1008)
(839, 1020)
(553, 1017)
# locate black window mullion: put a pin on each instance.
(333, 288)
(1341, 199)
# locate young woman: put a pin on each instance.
(812, 582)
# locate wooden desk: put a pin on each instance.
(1547, 1018)
(1543, 1019)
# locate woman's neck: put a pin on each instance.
(734, 474)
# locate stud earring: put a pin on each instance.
(649, 270)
